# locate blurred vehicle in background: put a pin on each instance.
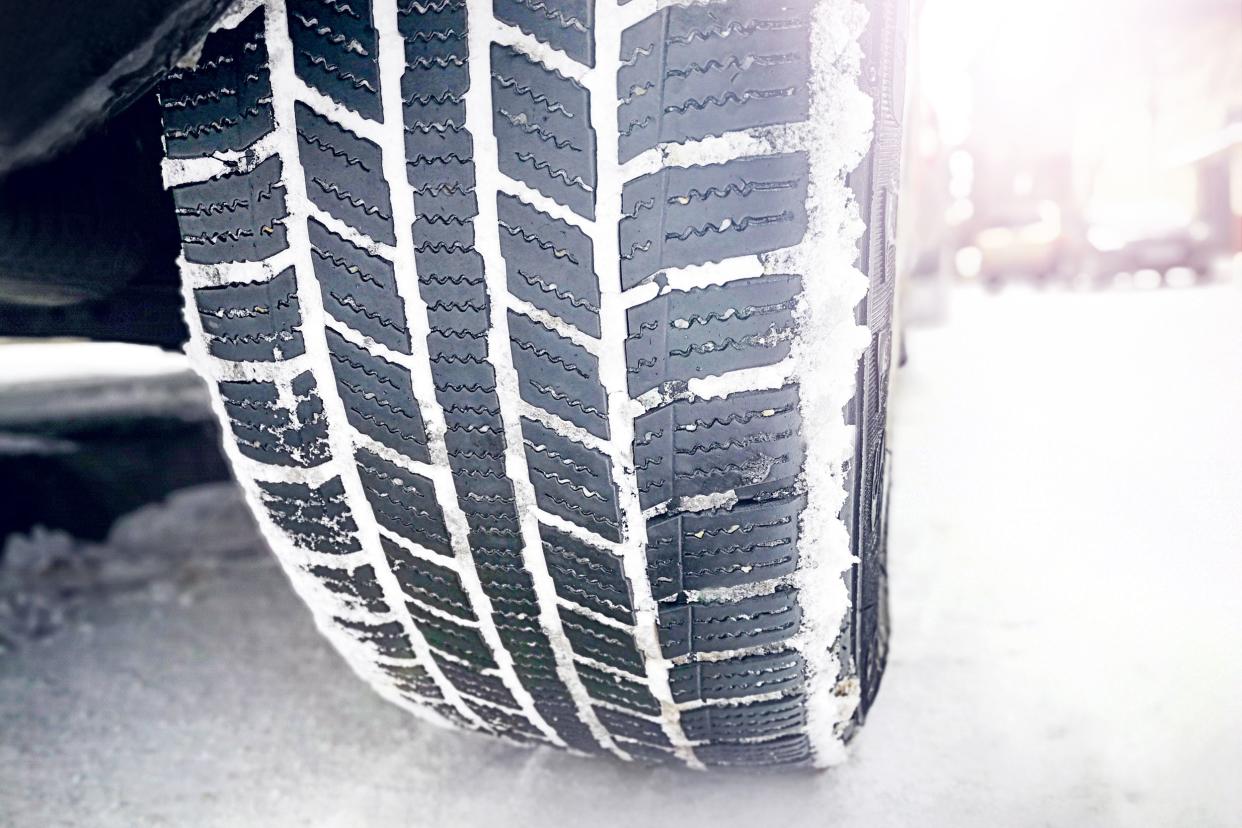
(1018, 157)
(1149, 250)
(1018, 240)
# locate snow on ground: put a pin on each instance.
(1067, 651)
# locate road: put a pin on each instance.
(1067, 651)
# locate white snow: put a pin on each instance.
(1066, 649)
(826, 356)
(41, 361)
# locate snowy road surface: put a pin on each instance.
(1066, 564)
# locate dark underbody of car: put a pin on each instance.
(88, 237)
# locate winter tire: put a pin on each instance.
(535, 327)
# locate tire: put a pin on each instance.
(536, 345)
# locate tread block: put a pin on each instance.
(359, 288)
(378, 397)
(439, 148)
(563, 717)
(601, 643)
(532, 653)
(451, 284)
(723, 547)
(344, 174)
(567, 25)
(490, 534)
(413, 681)
(486, 495)
(511, 724)
(500, 556)
(482, 456)
(690, 71)
(335, 50)
(611, 688)
(571, 481)
(252, 322)
(404, 502)
(442, 187)
(388, 639)
(459, 326)
(744, 443)
(533, 658)
(268, 431)
(732, 678)
(794, 749)
(496, 541)
(356, 587)
(491, 512)
(505, 580)
(225, 103)
(549, 263)
(587, 575)
(434, 585)
(551, 451)
(517, 619)
(511, 612)
(480, 685)
(454, 347)
(557, 375)
(461, 642)
(236, 217)
(542, 124)
(632, 727)
(756, 720)
(317, 519)
(706, 332)
(717, 627)
(683, 216)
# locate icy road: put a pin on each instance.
(1066, 563)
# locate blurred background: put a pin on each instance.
(1072, 145)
